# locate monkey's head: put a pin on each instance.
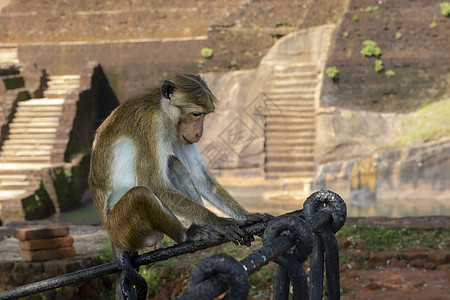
(190, 94)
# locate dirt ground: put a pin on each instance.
(395, 283)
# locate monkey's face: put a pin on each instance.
(190, 127)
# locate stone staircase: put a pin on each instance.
(8, 56)
(290, 134)
(35, 142)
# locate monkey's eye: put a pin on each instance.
(196, 114)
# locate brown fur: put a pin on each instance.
(150, 206)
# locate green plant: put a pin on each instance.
(390, 73)
(445, 8)
(106, 254)
(283, 25)
(378, 65)
(332, 72)
(207, 52)
(433, 25)
(200, 64)
(165, 74)
(371, 9)
(375, 238)
(233, 63)
(398, 35)
(345, 34)
(355, 18)
(371, 49)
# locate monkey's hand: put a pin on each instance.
(257, 217)
(197, 232)
(231, 229)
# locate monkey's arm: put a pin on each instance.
(202, 218)
(221, 199)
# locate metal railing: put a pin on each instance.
(288, 240)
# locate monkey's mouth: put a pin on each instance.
(187, 141)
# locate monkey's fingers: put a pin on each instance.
(234, 233)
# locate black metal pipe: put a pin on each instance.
(251, 263)
(113, 267)
(331, 262)
(316, 272)
(281, 285)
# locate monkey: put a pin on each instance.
(146, 171)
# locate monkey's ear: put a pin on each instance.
(167, 89)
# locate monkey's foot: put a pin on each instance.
(134, 285)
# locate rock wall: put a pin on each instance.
(414, 178)
(344, 134)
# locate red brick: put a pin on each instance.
(382, 256)
(52, 243)
(439, 258)
(48, 254)
(24, 234)
(413, 255)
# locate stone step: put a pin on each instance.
(286, 129)
(64, 85)
(13, 177)
(289, 168)
(64, 77)
(9, 194)
(25, 159)
(14, 185)
(56, 92)
(291, 164)
(8, 56)
(29, 146)
(39, 110)
(291, 100)
(32, 130)
(287, 143)
(41, 102)
(288, 122)
(295, 108)
(300, 114)
(295, 76)
(19, 153)
(294, 157)
(43, 114)
(291, 136)
(34, 124)
(286, 116)
(286, 149)
(30, 138)
(295, 174)
(295, 68)
(35, 119)
(293, 83)
(292, 90)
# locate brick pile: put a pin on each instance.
(40, 244)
